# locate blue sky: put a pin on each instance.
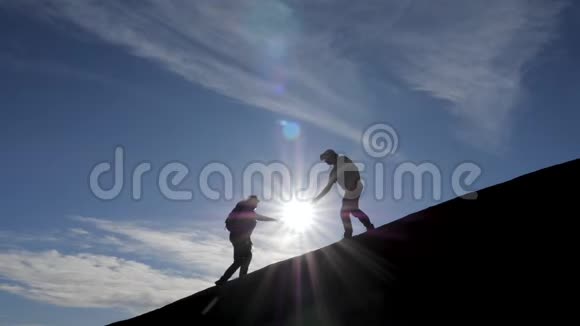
(493, 84)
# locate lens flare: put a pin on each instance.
(290, 130)
(297, 215)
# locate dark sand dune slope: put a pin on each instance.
(507, 256)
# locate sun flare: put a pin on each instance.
(298, 215)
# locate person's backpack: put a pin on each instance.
(237, 224)
(230, 223)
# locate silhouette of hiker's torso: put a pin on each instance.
(346, 173)
(242, 221)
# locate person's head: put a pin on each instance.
(329, 156)
(252, 201)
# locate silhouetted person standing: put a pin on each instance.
(346, 174)
(241, 223)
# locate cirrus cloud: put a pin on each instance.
(312, 59)
(88, 280)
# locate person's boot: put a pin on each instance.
(220, 282)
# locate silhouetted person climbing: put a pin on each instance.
(241, 223)
(346, 174)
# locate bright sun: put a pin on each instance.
(298, 215)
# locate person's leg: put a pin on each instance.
(230, 271)
(245, 265)
(345, 217)
(364, 218)
(246, 258)
(234, 266)
(357, 212)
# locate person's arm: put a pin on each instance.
(331, 181)
(265, 218)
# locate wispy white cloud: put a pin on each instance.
(87, 280)
(15, 239)
(473, 55)
(158, 264)
(201, 249)
(78, 231)
(251, 51)
(312, 59)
